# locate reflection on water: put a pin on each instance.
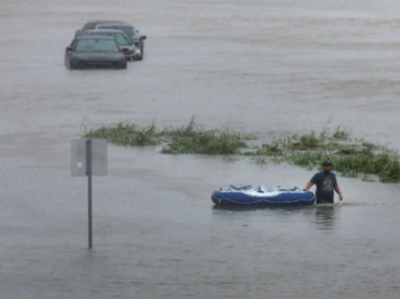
(325, 217)
(281, 209)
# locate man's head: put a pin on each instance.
(327, 167)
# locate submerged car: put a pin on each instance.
(129, 30)
(94, 52)
(92, 25)
(124, 41)
(116, 25)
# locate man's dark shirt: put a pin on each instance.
(325, 186)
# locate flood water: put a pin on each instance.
(267, 67)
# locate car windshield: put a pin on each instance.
(129, 30)
(96, 45)
(122, 39)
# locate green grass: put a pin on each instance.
(206, 143)
(340, 134)
(309, 141)
(188, 139)
(350, 157)
(191, 140)
(127, 135)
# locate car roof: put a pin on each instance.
(94, 37)
(104, 31)
(121, 24)
(104, 21)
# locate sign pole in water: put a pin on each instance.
(89, 175)
(89, 158)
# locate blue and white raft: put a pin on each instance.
(250, 196)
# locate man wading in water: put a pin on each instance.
(326, 183)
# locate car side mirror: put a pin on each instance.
(68, 49)
(143, 37)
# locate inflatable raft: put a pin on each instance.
(261, 196)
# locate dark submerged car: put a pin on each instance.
(92, 25)
(124, 41)
(94, 52)
(129, 30)
(116, 25)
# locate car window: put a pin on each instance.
(96, 45)
(122, 39)
(130, 31)
(96, 33)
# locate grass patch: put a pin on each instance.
(350, 157)
(191, 140)
(341, 134)
(206, 143)
(127, 135)
(310, 141)
(188, 139)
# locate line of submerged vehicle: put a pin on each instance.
(104, 44)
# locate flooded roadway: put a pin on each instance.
(265, 67)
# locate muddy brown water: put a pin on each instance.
(265, 67)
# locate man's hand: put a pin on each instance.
(308, 186)
(337, 189)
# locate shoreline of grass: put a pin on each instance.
(350, 157)
(189, 139)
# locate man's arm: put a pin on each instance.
(337, 189)
(308, 186)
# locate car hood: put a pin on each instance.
(96, 56)
(131, 48)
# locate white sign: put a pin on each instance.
(79, 156)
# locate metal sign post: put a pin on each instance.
(89, 158)
(89, 175)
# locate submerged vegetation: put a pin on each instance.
(350, 157)
(127, 134)
(188, 139)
